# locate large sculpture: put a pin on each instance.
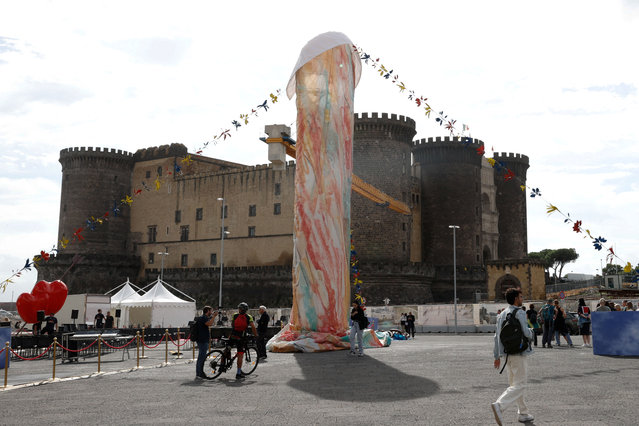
(324, 81)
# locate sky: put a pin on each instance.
(556, 81)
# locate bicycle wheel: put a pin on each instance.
(214, 364)
(250, 360)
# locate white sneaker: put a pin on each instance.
(523, 418)
(497, 412)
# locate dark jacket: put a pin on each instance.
(262, 323)
(357, 314)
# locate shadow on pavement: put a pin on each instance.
(342, 377)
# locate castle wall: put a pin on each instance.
(271, 243)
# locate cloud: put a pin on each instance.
(17, 101)
(158, 51)
(621, 89)
(7, 45)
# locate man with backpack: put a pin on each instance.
(548, 318)
(512, 338)
(239, 324)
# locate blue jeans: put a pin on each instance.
(356, 331)
(203, 349)
(563, 333)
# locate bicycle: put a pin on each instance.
(219, 361)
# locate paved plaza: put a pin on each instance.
(434, 379)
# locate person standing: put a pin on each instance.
(583, 312)
(109, 320)
(560, 325)
(359, 319)
(517, 364)
(531, 313)
(203, 336)
(262, 331)
(239, 325)
(410, 324)
(548, 317)
(402, 321)
(98, 321)
(603, 306)
(50, 325)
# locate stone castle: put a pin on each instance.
(404, 258)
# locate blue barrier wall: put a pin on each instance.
(615, 333)
(5, 336)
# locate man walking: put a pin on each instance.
(262, 331)
(516, 364)
(548, 318)
(410, 324)
(203, 336)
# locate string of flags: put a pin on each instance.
(243, 119)
(356, 281)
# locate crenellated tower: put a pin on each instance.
(382, 158)
(450, 175)
(511, 205)
(93, 183)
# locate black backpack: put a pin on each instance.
(512, 336)
(194, 329)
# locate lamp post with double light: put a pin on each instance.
(454, 227)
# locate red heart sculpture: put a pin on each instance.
(45, 296)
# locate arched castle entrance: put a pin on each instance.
(504, 283)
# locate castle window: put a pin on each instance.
(477, 258)
(148, 174)
(184, 233)
(152, 232)
(167, 230)
(159, 170)
(213, 259)
(277, 208)
(251, 231)
(178, 216)
(151, 258)
(252, 210)
(184, 261)
(64, 209)
(224, 211)
(476, 240)
(404, 246)
(198, 214)
(278, 188)
(403, 169)
(115, 178)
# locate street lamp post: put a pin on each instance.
(162, 253)
(219, 304)
(454, 227)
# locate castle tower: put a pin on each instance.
(382, 158)
(93, 182)
(450, 175)
(511, 206)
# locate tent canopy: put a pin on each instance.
(125, 292)
(159, 307)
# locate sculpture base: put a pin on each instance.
(291, 339)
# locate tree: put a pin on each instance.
(612, 269)
(555, 259)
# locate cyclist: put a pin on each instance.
(240, 323)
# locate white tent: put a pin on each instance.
(126, 293)
(159, 307)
